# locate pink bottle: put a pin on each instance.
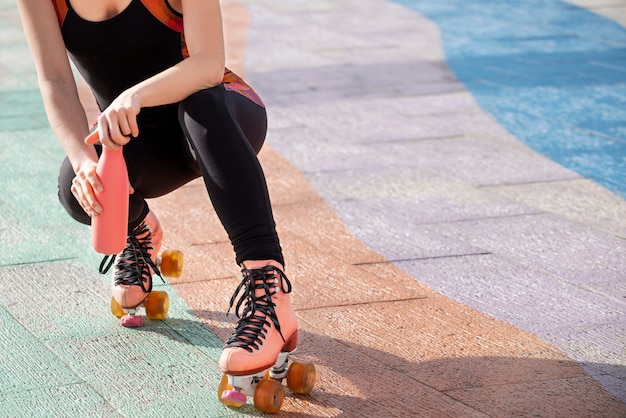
(110, 228)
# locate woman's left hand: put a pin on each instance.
(117, 124)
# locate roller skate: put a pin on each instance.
(134, 268)
(255, 359)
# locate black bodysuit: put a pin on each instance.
(214, 133)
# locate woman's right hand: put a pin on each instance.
(117, 124)
(83, 186)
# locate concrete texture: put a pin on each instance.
(444, 184)
(440, 266)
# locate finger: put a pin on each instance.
(94, 181)
(116, 129)
(82, 195)
(109, 143)
(133, 125)
(117, 137)
(92, 138)
(77, 192)
(89, 197)
(125, 128)
(92, 204)
(131, 189)
(104, 132)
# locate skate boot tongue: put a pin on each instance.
(133, 264)
(256, 290)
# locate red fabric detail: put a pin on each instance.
(165, 14)
(60, 6)
(235, 83)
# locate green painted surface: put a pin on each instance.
(33, 225)
(26, 363)
(76, 400)
(58, 331)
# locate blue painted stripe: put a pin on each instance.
(551, 73)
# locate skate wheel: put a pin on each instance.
(228, 396)
(157, 305)
(301, 377)
(131, 321)
(116, 308)
(268, 396)
(171, 263)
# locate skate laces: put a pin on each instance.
(257, 288)
(134, 262)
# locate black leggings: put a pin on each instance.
(216, 134)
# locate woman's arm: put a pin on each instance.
(204, 68)
(59, 93)
(56, 80)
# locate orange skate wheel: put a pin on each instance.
(301, 377)
(116, 308)
(157, 305)
(268, 396)
(171, 263)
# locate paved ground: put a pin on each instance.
(442, 267)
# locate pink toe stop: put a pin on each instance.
(234, 397)
(131, 321)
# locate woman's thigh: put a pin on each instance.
(159, 160)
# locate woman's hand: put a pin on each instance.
(83, 186)
(117, 124)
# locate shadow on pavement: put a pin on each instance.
(354, 380)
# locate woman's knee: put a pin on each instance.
(204, 102)
(223, 113)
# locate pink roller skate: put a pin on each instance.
(255, 358)
(134, 267)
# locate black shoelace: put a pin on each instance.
(134, 262)
(259, 310)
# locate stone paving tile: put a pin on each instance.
(566, 397)
(514, 293)
(578, 200)
(576, 253)
(70, 309)
(418, 198)
(158, 384)
(68, 400)
(34, 225)
(27, 364)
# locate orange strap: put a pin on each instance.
(235, 83)
(164, 13)
(60, 6)
(161, 10)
